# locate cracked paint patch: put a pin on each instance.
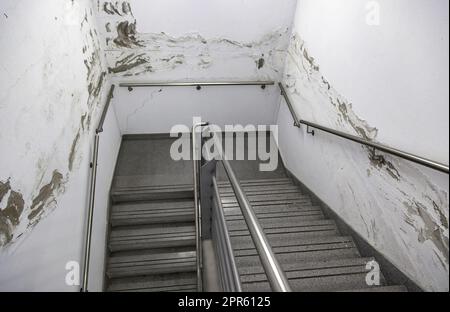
(46, 197)
(131, 53)
(10, 215)
(130, 62)
(126, 35)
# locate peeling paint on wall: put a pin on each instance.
(46, 197)
(75, 98)
(131, 53)
(395, 202)
(11, 213)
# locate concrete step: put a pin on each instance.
(317, 284)
(313, 276)
(236, 214)
(264, 199)
(262, 190)
(178, 282)
(258, 182)
(147, 237)
(244, 243)
(150, 193)
(308, 252)
(302, 229)
(394, 288)
(276, 220)
(281, 209)
(152, 213)
(148, 263)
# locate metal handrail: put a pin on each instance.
(197, 207)
(376, 146)
(196, 84)
(93, 164)
(275, 274)
(227, 241)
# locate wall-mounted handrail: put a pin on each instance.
(92, 186)
(105, 109)
(376, 146)
(196, 84)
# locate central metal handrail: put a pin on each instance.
(376, 146)
(274, 272)
(197, 207)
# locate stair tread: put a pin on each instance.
(150, 193)
(151, 188)
(147, 237)
(392, 288)
(151, 264)
(237, 214)
(244, 243)
(310, 226)
(156, 283)
(316, 268)
(276, 219)
(254, 199)
(152, 213)
(326, 283)
(297, 251)
(264, 181)
(276, 208)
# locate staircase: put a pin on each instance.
(151, 245)
(312, 252)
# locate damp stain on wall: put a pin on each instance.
(80, 100)
(415, 208)
(10, 215)
(47, 196)
(131, 53)
(126, 35)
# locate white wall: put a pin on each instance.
(157, 110)
(194, 40)
(387, 83)
(53, 84)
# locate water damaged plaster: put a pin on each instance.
(47, 128)
(142, 55)
(394, 204)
